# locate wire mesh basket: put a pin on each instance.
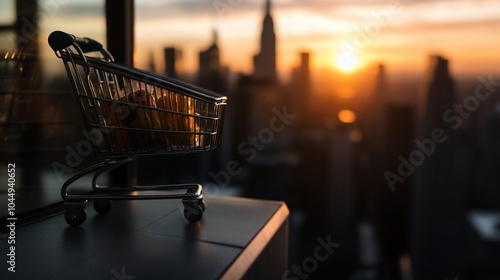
(139, 112)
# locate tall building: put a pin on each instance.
(440, 188)
(301, 84)
(265, 60)
(170, 54)
(301, 88)
(376, 121)
(211, 74)
(209, 58)
(438, 95)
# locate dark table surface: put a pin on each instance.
(146, 240)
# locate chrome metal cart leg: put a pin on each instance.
(86, 171)
(112, 165)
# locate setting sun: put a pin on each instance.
(347, 63)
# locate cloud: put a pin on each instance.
(172, 9)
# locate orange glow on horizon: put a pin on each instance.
(347, 116)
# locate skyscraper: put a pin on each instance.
(439, 95)
(265, 60)
(301, 89)
(170, 54)
(210, 75)
(440, 187)
(209, 59)
(376, 120)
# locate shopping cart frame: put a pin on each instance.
(192, 122)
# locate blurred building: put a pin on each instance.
(301, 99)
(265, 60)
(211, 75)
(376, 122)
(439, 185)
(171, 54)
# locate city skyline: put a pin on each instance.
(404, 33)
(463, 32)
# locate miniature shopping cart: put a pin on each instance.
(129, 113)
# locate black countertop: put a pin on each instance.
(147, 240)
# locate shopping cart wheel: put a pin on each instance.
(193, 210)
(75, 219)
(102, 206)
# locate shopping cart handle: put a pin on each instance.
(59, 40)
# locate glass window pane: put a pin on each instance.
(7, 12)
(40, 123)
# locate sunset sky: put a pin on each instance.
(401, 34)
